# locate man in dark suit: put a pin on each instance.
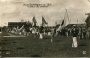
(87, 25)
(74, 35)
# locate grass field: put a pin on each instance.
(34, 47)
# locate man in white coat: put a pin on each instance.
(53, 32)
(41, 32)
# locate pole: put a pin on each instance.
(77, 21)
(69, 21)
(65, 15)
(68, 16)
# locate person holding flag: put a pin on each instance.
(53, 32)
(64, 21)
(43, 21)
(34, 22)
(41, 29)
(34, 26)
(61, 26)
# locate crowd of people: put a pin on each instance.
(66, 31)
(74, 31)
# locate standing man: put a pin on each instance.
(84, 33)
(87, 25)
(41, 31)
(53, 32)
(81, 33)
(74, 35)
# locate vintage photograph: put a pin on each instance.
(44, 28)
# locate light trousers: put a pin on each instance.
(41, 36)
(75, 44)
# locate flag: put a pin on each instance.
(34, 21)
(21, 28)
(77, 21)
(56, 23)
(62, 25)
(43, 21)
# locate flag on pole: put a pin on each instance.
(62, 25)
(34, 21)
(56, 23)
(69, 21)
(67, 17)
(43, 21)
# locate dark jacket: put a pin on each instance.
(74, 33)
(41, 29)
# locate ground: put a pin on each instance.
(32, 46)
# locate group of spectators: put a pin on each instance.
(48, 31)
(68, 32)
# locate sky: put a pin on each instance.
(15, 11)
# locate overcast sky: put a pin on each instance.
(14, 11)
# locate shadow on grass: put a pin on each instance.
(82, 45)
(5, 50)
(20, 48)
(57, 40)
(4, 43)
(4, 40)
(35, 56)
(14, 42)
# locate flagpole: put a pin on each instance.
(63, 24)
(64, 15)
(77, 21)
(56, 23)
(69, 21)
(68, 16)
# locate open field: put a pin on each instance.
(34, 47)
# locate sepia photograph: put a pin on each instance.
(44, 28)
